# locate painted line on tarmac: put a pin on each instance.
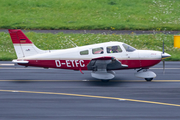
(92, 96)
(2, 67)
(6, 64)
(87, 80)
(165, 68)
(42, 80)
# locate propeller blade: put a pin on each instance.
(163, 47)
(163, 66)
(163, 59)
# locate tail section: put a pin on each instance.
(22, 45)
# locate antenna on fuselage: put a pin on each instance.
(74, 44)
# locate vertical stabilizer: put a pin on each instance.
(22, 45)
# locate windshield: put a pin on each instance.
(128, 48)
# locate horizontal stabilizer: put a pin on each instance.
(21, 62)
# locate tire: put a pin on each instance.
(104, 81)
(148, 79)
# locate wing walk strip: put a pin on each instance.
(92, 96)
(88, 80)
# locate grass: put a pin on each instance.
(61, 41)
(90, 14)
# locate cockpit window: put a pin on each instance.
(98, 50)
(113, 49)
(85, 52)
(128, 48)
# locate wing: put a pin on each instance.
(105, 63)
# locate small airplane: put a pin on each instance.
(100, 58)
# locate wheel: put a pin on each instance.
(105, 81)
(148, 79)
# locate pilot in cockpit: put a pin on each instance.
(114, 49)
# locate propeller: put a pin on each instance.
(163, 47)
(163, 59)
(163, 66)
(164, 55)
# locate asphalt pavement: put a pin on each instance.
(54, 94)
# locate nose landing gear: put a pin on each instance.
(146, 74)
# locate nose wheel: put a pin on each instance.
(148, 79)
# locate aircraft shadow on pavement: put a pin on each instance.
(89, 81)
(114, 82)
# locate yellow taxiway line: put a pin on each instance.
(92, 96)
(88, 80)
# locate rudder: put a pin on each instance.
(22, 45)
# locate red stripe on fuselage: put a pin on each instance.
(133, 64)
(82, 64)
(148, 63)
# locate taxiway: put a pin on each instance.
(43, 94)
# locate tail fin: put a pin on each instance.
(22, 45)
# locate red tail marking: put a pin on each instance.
(18, 37)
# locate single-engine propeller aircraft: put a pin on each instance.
(100, 58)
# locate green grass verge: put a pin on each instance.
(61, 41)
(90, 14)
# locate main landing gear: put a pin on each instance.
(146, 74)
(105, 81)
